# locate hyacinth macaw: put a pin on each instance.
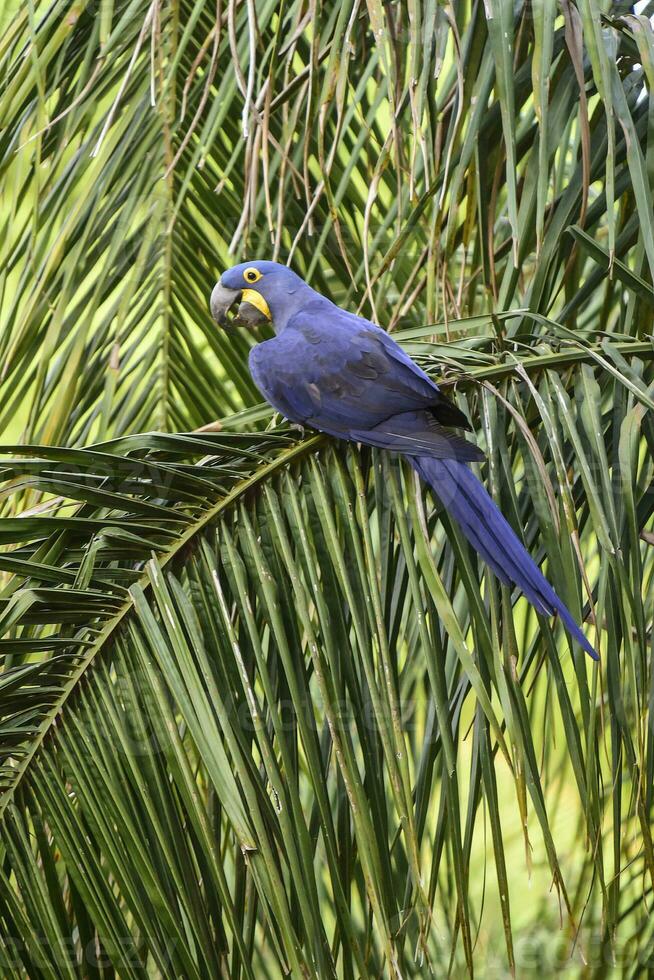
(339, 373)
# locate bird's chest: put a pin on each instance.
(284, 370)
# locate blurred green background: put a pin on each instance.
(477, 177)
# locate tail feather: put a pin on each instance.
(488, 531)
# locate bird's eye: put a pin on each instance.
(252, 275)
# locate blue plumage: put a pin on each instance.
(339, 373)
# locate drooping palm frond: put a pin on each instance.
(257, 711)
(422, 161)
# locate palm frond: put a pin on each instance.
(313, 687)
(418, 176)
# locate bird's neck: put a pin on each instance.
(284, 305)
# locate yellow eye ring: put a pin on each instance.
(251, 274)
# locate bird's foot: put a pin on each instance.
(299, 428)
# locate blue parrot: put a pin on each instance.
(339, 373)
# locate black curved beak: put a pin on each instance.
(222, 300)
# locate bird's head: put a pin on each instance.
(265, 291)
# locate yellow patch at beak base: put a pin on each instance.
(254, 298)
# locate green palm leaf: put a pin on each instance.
(293, 612)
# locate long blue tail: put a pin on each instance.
(466, 500)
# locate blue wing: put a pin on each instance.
(343, 375)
